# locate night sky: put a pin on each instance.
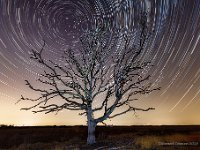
(174, 50)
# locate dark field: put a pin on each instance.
(117, 137)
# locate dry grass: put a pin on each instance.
(118, 138)
(122, 142)
(46, 146)
(182, 141)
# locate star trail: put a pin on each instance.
(174, 51)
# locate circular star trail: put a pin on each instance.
(173, 50)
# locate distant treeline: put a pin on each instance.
(5, 125)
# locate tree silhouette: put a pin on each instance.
(98, 78)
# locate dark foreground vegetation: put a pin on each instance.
(117, 137)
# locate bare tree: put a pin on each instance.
(98, 78)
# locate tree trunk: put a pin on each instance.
(91, 129)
